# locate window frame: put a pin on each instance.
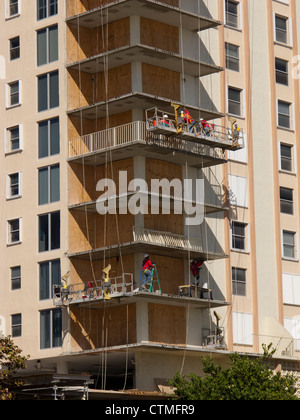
(48, 335)
(49, 233)
(232, 101)
(9, 186)
(16, 326)
(14, 52)
(48, 94)
(230, 58)
(293, 246)
(50, 184)
(243, 238)
(10, 232)
(239, 287)
(47, 30)
(15, 279)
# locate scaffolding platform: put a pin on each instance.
(172, 125)
(93, 290)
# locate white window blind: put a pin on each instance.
(242, 328)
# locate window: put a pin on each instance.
(51, 328)
(13, 140)
(284, 114)
(242, 328)
(281, 29)
(234, 101)
(289, 244)
(281, 69)
(286, 161)
(49, 231)
(232, 53)
(286, 200)
(238, 236)
(49, 138)
(231, 11)
(49, 276)
(49, 188)
(238, 190)
(14, 48)
(291, 289)
(48, 91)
(13, 94)
(238, 281)
(13, 231)
(16, 325)
(47, 45)
(292, 325)
(13, 185)
(15, 276)
(13, 8)
(46, 8)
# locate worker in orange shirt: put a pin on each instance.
(188, 119)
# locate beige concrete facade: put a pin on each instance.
(115, 61)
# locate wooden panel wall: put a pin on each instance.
(76, 127)
(98, 328)
(170, 272)
(161, 82)
(166, 324)
(77, 7)
(156, 169)
(83, 42)
(165, 37)
(82, 271)
(84, 89)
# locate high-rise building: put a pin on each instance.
(162, 128)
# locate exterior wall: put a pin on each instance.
(150, 322)
(26, 300)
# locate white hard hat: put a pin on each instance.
(146, 255)
(166, 116)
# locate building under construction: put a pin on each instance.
(137, 128)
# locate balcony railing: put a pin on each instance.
(136, 133)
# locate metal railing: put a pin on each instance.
(92, 290)
(135, 132)
(166, 239)
(215, 135)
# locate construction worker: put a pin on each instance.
(187, 118)
(236, 134)
(165, 121)
(195, 269)
(205, 126)
(146, 271)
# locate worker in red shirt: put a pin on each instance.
(146, 271)
(195, 269)
(205, 126)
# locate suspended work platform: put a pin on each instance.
(186, 128)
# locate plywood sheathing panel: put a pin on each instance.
(161, 82)
(81, 126)
(166, 324)
(81, 231)
(157, 35)
(82, 187)
(156, 169)
(83, 43)
(76, 7)
(82, 271)
(106, 327)
(170, 272)
(85, 89)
